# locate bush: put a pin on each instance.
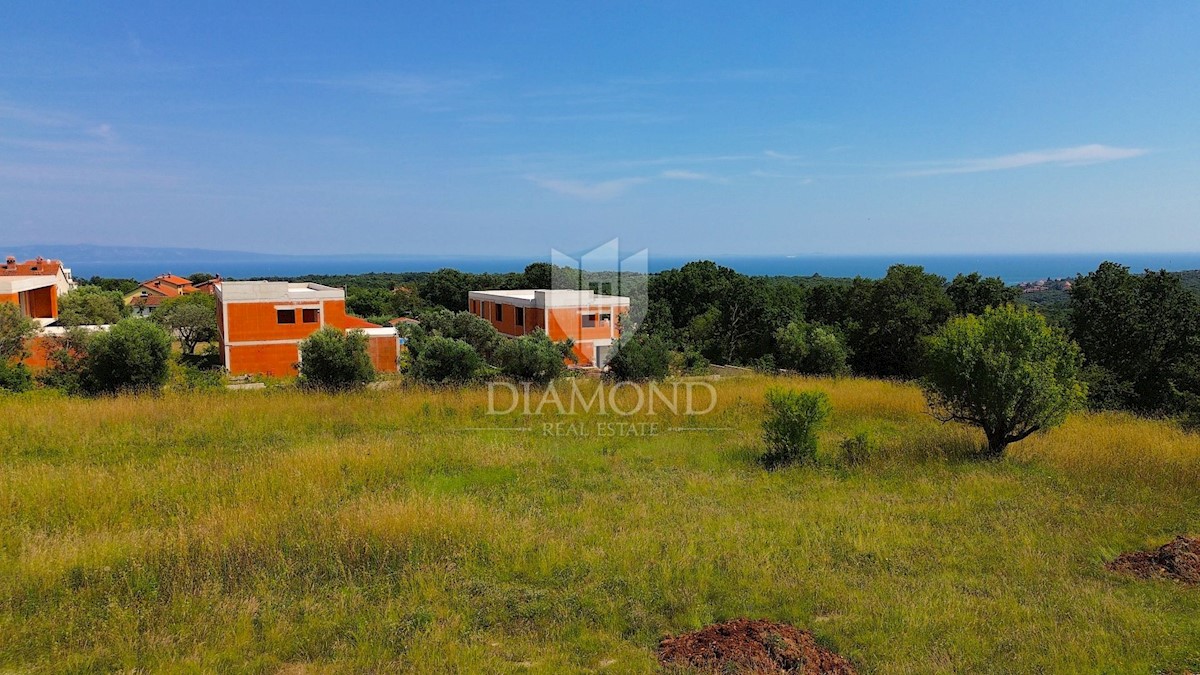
(474, 330)
(66, 356)
(443, 360)
(333, 360)
(858, 448)
(133, 355)
(533, 357)
(184, 377)
(16, 330)
(790, 429)
(14, 377)
(811, 348)
(689, 362)
(1007, 372)
(639, 357)
(91, 306)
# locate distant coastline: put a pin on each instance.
(142, 263)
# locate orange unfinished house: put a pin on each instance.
(262, 323)
(592, 321)
(35, 285)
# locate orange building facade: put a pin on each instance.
(35, 285)
(262, 323)
(592, 321)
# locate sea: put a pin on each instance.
(1012, 268)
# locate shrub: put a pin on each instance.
(859, 448)
(811, 348)
(639, 357)
(91, 305)
(790, 429)
(333, 360)
(133, 355)
(15, 330)
(475, 331)
(185, 377)
(66, 356)
(689, 362)
(14, 376)
(443, 360)
(533, 357)
(1007, 372)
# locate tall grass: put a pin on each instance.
(280, 531)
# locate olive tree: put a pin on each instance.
(192, 318)
(533, 357)
(1007, 372)
(133, 355)
(335, 361)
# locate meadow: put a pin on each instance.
(281, 531)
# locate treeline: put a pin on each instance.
(1139, 333)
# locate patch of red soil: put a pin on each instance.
(1178, 560)
(751, 646)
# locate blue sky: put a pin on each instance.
(689, 128)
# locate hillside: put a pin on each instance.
(278, 530)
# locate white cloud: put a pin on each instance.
(597, 191)
(680, 174)
(608, 189)
(1076, 156)
(407, 87)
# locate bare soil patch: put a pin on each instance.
(751, 646)
(1178, 559)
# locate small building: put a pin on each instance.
(35, 285)
(591, 320)
(150, 294)
(262, 323)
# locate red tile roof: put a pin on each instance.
(38, 267)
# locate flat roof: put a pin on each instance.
(276, 291)
(20, 284)
(557, 297)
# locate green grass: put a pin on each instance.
(279, 531)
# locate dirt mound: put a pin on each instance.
(1178, 560)
(751, 646)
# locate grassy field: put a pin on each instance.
(280, 531)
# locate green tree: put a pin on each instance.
(533, 357)
(132, 355)
(91, 306)
(790, 428)
(332, 360)
(639, 357)
(16, 330)
(1140, 336)
(200, 277)
(447, 288)
(890, 318)
(192, 318)
(1007, 372)
(443, 360)
(67, 359)
(539, 275)
(811, 348)
(972, 293)
(122, 286)
(474, 330)
(366, 302)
